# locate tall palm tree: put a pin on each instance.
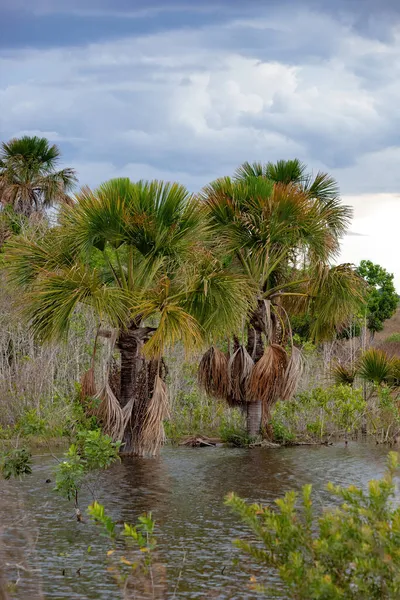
(282, 236)
(139, 255)
(29, 179)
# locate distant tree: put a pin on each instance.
(29, 179)
(382, 296)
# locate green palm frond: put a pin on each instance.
(322, 187)
(53, 297)
(27, 257)
(338, 294)
(219, 300)
(173, 324)
(344, 374)
(376, 366)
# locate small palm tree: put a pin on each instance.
(139, 255)
(29, 179)
(281, 233)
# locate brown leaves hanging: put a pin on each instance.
(152, 431)
(213, 373)
(266, 379)
(240, 367)
(292, 374)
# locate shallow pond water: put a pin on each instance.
(184, 488)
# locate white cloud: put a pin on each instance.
(193, 103)
(377, 218)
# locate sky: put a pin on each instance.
(188, 90)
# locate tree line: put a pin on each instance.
(230, 268)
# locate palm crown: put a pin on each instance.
(281, 228)
(29, 179)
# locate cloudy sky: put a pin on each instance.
(189, 89)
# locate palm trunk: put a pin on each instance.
(253, 418)
(255, 347)
(136, 384)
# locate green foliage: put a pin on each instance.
(30, 423)
(382, 296)
(93, 451)
(131, 556)
(97, 513)
(350, 552)
(394, 337)
(15, 463)
(375, 366)
(319, 413)
(29, 181)
(235, 436)
(281, 433)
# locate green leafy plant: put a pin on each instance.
(93, 451)
(318, 414)
(15, 463)
(350, 552)
(31, 423)
(130, 558)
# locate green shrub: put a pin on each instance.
(350, 552)
(15, 463)
(31, 423)
(235, 436)
(282, 434)
(313, 415)
(93, 451)
(130, 559)
(394, 337)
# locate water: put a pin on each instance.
(184, 488)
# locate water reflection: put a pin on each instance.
(184, 489)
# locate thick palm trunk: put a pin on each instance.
(136, 384)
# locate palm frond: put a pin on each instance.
(267, 376)
(240, 366)
(213, 373)
(54, 296)
(152, 431)
(292, 375)
(338, 295)
(344, 374)
(375, 366)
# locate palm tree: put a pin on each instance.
(29, 179)
(137, 254)
(282, 236)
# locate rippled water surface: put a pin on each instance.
(184, 489)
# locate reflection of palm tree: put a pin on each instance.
(143, 486)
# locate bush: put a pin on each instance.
(319, 413)
(394, 337)
(15, 463)
(92, 451)
(350, 552)
(234, 435)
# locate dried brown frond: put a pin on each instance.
(293, 372)
(88, 384)
(152, 433)
(110, 413)
(213, 373)
(240, 367)
(266, 378)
